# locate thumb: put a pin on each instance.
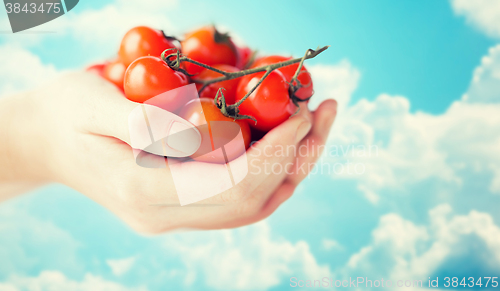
(143, 126)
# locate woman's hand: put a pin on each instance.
(75, 131)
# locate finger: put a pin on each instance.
(107, 108)
(275, 147)
(286, 180)
(144, 126)
(161, 132)
(311, 148)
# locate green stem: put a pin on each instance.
(297, 72)
(233, 75)
(237, 104)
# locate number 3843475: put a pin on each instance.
(471, 282)
(33, 8)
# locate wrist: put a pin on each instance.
(21, 148)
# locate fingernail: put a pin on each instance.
(302, 131)
(183, 138)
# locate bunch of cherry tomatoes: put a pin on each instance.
(141, 73)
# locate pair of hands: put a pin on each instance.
(75, 131)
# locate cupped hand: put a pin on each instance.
(75, 131)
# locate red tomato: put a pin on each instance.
(304, 77)
(270, 103)
(218, 132)
(208, 46)
(142, 41)
(230, 86)
(244, 54)
(96, 69)
(114, 72)
(147, 77)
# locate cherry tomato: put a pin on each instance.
(96, 69)
(114, 72)
(230, 86)
(304, 77)
(219, 134)
(147, 77)
(270, 103)
(210, 47)
(142, 41)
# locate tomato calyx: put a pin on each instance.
(220, 37)
(295, 84)
(169, 37)
(231, 111)
(224, 38)
(296, 100)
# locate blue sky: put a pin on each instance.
(418, 80)
(400, 47)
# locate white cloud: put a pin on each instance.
(484, 14)
(108, 24)
(24, 235)
(248, 258)
(97, 30)
(7, 287)
(120, 266)
(54, 280)
(398, 234)
(333, 82)
(495, 183)
(485, 84)
(50, 255)
(398, 238)
(22, 70)
(395, 147)
(402, 250)
(330, 244)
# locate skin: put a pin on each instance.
(77, 134)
